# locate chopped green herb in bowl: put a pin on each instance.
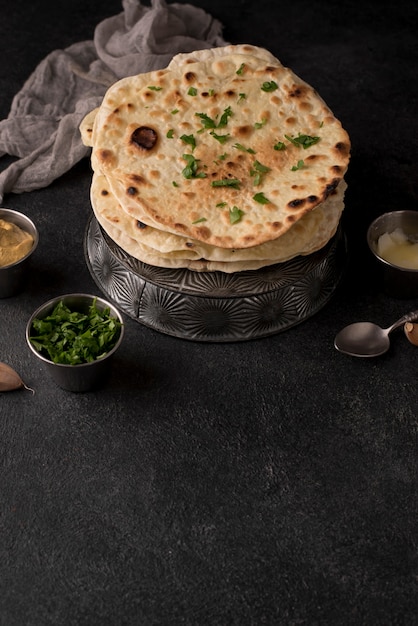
(74, 335)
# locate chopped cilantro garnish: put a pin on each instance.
(207, 121)
(269, 86)
(239, 146)
(261, 198)
(226, 182)
(260, 124)
(224, 117)
(174, 111)
(300, 164)
(304, 141)
(220, 138)
(190, 171)
(240, 70)
(175, 184)
(201, 219)
(170, 133)
(154, 88)
(258, 170)
(72, 337)
(235, 214)
(257, 178)
(190, 140)
(259, 167)
(221, 204)
(242, 96)
(192, 91)
(279, 145)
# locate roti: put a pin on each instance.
(163, 249)
(226, 147)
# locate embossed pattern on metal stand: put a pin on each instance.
(214, 306)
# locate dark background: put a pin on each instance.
(264, 482)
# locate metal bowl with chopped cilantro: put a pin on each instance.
(74, 335)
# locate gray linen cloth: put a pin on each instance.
(42, 128)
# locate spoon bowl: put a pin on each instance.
(365, 339)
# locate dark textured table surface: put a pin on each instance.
(263, 482)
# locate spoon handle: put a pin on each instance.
(408, 317)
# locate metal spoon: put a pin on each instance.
(366, 339)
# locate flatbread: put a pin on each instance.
(147, 123)
(163, 249)
(86, 128)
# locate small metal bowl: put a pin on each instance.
(12, 277)
(398, 282)
(85, 376)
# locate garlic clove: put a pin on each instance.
(411, 332)
(10, 379)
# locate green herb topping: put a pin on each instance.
(226, 182)
(257, 171)
(201, 219)
(154, 88)
(192, 91)
(235, 214)
(259, 125)
(170, 133)
(269, 86)
(240, 70)
(208, 122)
(239, 146)
(220, 138)
(190, 140)
(303, 141)
(300, 165)
(279, 145)
(70, 337)
(224, 117)
(190, 171)
(261, 198)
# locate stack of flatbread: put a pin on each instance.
(225, 160)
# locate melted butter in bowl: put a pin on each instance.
(393, 240)
(398, 249)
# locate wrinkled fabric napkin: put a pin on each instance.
(42, 128)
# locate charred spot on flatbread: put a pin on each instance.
(297, 203)
(329, 189)
(342, 148)
(189, 77)
(107, 157)
(144, 137)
